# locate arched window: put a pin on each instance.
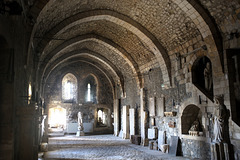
(69, 88)
(29, 93)
(91, 89)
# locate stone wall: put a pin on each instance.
(196, 149)
(103, 99)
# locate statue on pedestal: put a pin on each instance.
(208, 77)
(80, 125)
(221, 133)
(221, 148)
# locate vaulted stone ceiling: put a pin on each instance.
(127, 37)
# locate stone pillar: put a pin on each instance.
(219, 151)
(143, 117)
(116, 117)
(126, 122)
(132, 121)
(27, 147)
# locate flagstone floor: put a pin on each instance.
(100, 147)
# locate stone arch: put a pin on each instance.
(144, 35)
(76, 54)
(104, 42)
(205, 24)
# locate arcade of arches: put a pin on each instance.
(128, 66)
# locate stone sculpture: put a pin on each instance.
(221, 147)
(194, 130)
(80, 125)
(221, 121)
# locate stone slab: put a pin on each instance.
(173, 145)
(160, 106)
(161, 138)
(152, 109)
(132, 121)
(152, 133)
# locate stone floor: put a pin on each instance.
(100, 147)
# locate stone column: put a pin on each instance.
(132, 121)
(126, 122)
(116, 117)
(143, 117)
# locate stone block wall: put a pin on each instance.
(103, 99)
(196, 149)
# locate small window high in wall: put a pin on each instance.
(89, 92)
(29, 93)
(90, 89)
(69, 88)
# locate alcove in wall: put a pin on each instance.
(202, 76)
(190, 114)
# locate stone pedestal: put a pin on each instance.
(219, 151)
(80, 133)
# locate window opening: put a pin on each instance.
(89, 92)
(29, 92)
(102, 117)
(68, 90)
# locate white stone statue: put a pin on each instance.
(80, 121)
(208, 76)
(221, 121)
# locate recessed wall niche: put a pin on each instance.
(202, 76)
(191, 116)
